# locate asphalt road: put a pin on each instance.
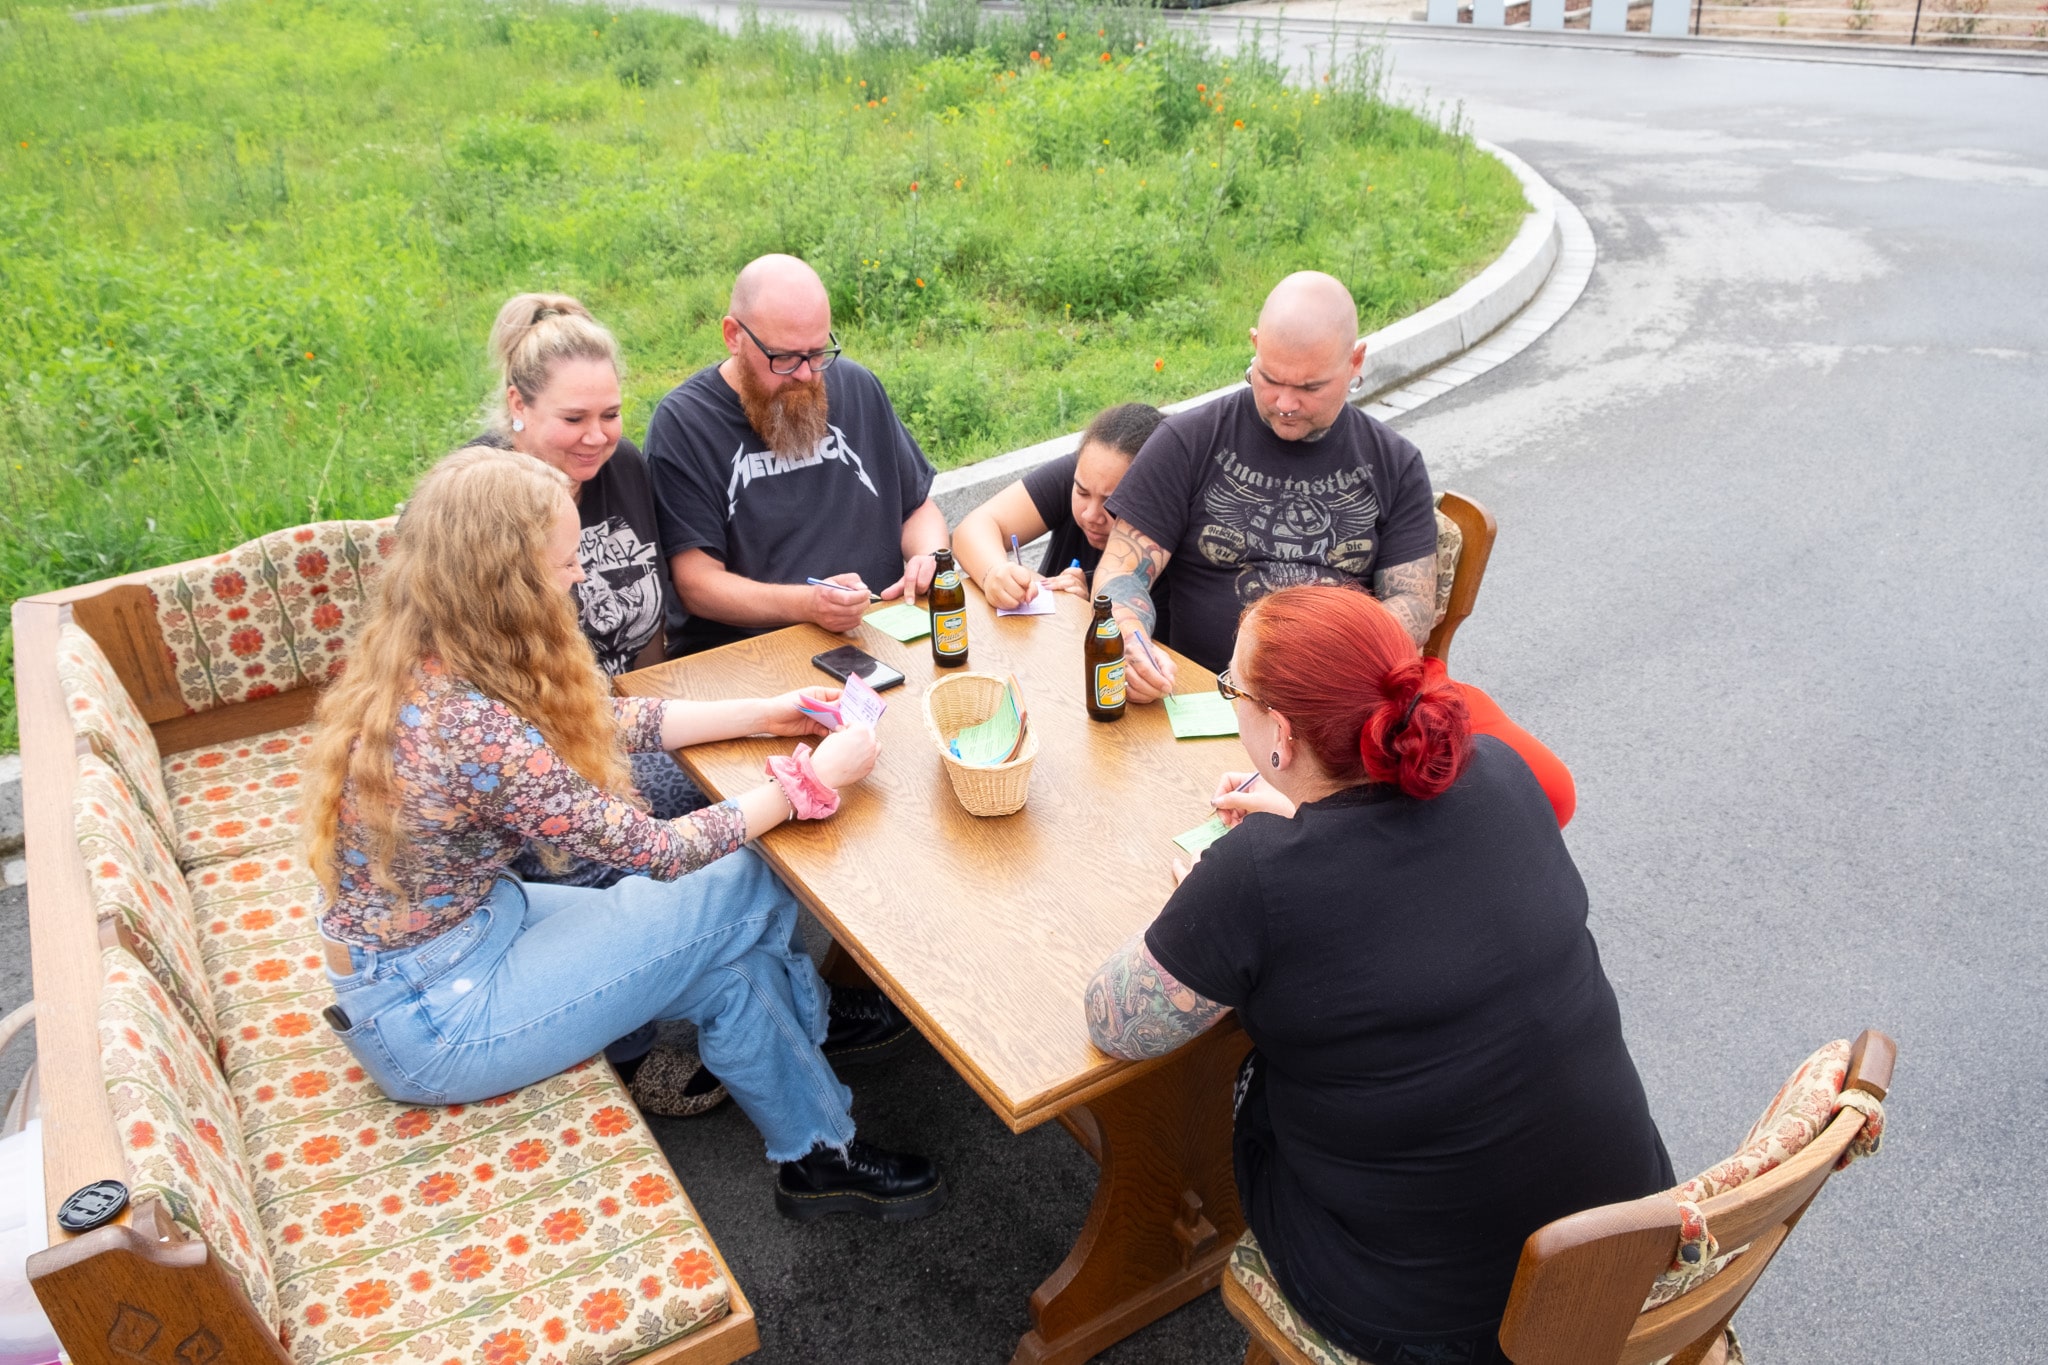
(1770, 578)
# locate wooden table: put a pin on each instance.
(986, 931)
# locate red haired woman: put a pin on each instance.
(1439, 1068)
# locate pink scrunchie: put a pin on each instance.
(808, 795)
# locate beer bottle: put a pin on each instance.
(949, 614)
(1103, 654)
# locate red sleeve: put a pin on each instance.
(1551, 774)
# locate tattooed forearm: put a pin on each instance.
(1137, 1009)
(1131, 563)
(1409, 591)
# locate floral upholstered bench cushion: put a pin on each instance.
(1248, 1267)
(229, 800)
(277, 613)
(104, 715)
(541, 1224)
(134, 881)
(178, 1127)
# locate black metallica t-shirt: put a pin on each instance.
(778, 519)
(623, 600)
(1244, 513)
(1440, 1065)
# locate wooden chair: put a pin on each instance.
(1476, 529)
(1579, 1291)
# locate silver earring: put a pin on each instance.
(518, 424)
(1357, 383)
(1276, 758)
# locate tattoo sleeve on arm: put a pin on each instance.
(1137, 1009)
(1409, 591)
(1131, 563)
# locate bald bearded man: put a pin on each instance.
(785, 462)
(1279, 483)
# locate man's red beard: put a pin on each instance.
(792, 420)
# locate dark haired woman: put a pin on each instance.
(1064, 497)
(1439, 1067)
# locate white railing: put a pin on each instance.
(1944, 22)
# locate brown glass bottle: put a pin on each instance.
(949, 613)
(1103, 653)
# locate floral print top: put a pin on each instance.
(475, 782)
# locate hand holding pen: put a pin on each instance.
(1239, 794)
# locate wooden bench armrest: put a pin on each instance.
(79, 1142)
(141, 1291)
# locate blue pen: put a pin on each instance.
(821, 583)
(1139, 636)
(1013, 552)
(1242, 785)
(1075, 565)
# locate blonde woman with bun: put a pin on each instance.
(471, 720)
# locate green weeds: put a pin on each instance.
(249, 251)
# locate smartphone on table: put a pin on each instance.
(849, 659)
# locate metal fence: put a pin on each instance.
(2000, 23)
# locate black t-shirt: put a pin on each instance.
(839, 509)
(1051, 488)
(1244, 513)
(1442, 1064)
(625, 594)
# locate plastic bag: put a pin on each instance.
(25, 1335)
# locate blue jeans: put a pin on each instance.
(540, 977)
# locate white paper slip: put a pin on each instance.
(1040, 605)
(860, 704)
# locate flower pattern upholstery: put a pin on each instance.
(541, 1225)
(103, 714)
(178, 1128)
(1450, 543)
(277, 613)
(1248, 1267)
(134, 879)
(233, 799)
(1796, 1115)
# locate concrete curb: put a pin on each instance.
(1395, 354)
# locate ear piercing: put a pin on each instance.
(518, 424)
(1276, 758)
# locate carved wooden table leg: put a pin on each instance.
(1165, 1211)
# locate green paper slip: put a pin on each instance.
(1198, 715)
(1202, 835)
(901, 621)
(990, 742)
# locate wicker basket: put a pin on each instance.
(951, 705)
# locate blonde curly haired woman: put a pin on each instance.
(473, 718)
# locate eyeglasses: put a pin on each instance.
(1231, 691)
(789, 362)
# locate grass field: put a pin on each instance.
(249, 251)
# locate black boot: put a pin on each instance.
(895, 1187)
(863, 1027)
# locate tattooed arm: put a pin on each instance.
(1137, 1009)
(1409, 591)
(1131, 563)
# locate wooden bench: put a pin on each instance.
(282, 1209)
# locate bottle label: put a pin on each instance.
(1107, 629)
(948, 580)
(1109, 685)
(949, 632)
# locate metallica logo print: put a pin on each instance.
(1277, 531)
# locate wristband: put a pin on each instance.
(808, 795)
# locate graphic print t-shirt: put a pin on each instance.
(623, 598)
(1245, 513)
(778, 519)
